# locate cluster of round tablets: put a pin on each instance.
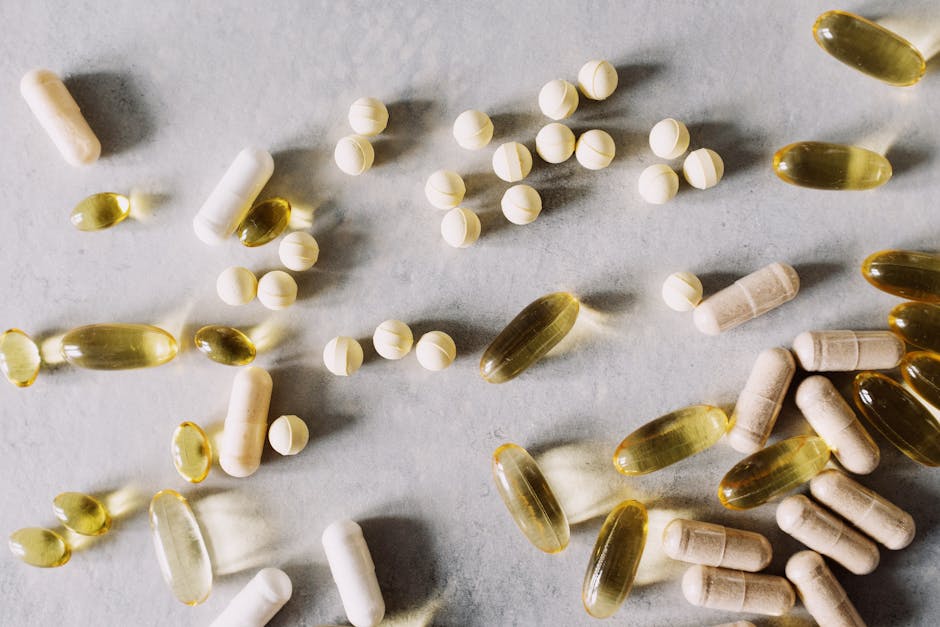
(445, 189)
(702, 168)
(354, 153)
(392, 340)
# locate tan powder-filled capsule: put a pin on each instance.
(737, 591)
(823, 596)
(747, 298)
(54, 107)
(246, 423)
(832, 418)
(714, 545)
(737, 623)
(844, 351)
(761, 399)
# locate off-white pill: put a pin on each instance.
(232, 197)
(823, 596)
(473, 129)
(354, 573)
(354, 154)
(342, 356)
(392, 339)
(703, 168)
(658, 184)
(737, 591)
(436, 350)
(298, 251)
(714, 545)
(60, 117)
(368, 116)
(737, 623)
(288, 435)
(445, 189)
(595, 149)
(863, 507)
(277, 290)
(761, 399)
(831, 351)
(597, 79)
(554, 143)
(747, 298)
(460, 227)
(826, 533)
(237, 286)
(558, 99)
(521, 204)
(258, 601)
(246, 422)
(512, 162)
(832, 418)
(682, 291)
(669, 139)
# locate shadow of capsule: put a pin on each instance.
(237, 533)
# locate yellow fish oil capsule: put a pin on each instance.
(899, 416)
(917, 324)
(737, 591)
(613, 563)
(54, 107)
(904, 273)
(921, 371)
(264, 222)
(531, 334)
(530, 499)
(191, 451)
(40, 547)
(100, 211)
(225, 345)
(19, 358)
(118, 346)
(760, 401)
(715, 545)
(749, 297)
(821, 165)
(670, 438)
(181, 549)
(843, 351)
(772, 471)
(82, 513)
(869, 48)
(820, 591)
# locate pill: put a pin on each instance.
(392, 339)
(473, 129)
(60, 117)
(595, 149)
(530, 499)
(264, 222)
(354, 573)
(822, 165)
(246, 422)
(669, 139)
(760, 401)
(658, 184)
(920, 369)
(737, 623)
(40, 547)
(715, 545)
(233, 196)
(737, 591)
(19, 358)
(831, 417)
(682, 291)
(531, 334)
(558, 99)
(703, 168)
(277, 290)
(288, 435)
(298, 251)
(445, 189)
(597, 79)
(747, 298)
(436, 350)
(225, 345)
(555, 143)
(772, 471)
(521, 204)
(342, 356)
(460, 227)
(869, 48)
(899, 416)
(831, 351)
(354, 154)
(827, 534)
(82, 513)
(236, 286)
(118, 346)
(670, 439)
(820, 591)
(917, 324)
(191, 452)
(904, 273)
(258, 601)
(881, 519)
(180, 547)
(368, 116)
(615, 559)
(100, 211)
(512, 162)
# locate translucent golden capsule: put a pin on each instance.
(192, 452)
(670, 438)
(225, 345)
(616, 555)
(181, 550)
(40, 547)
(19, 358)
(100, 211)
(917, 324)
(921, 371)
(904, 273)
(82, 513)
(264, 222)
(822, 165)
(118, 346)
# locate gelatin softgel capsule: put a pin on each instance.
(921, 371)
(118, 346)
(225, 345)
(181, 549)
(904, 273)
(191, 452)
(917, 324)
(82, 513)
(100, 211)
(19, 358)
(715, 545)
(40, 547)
(821, 165)
(264, 222)
(613, 563)
(670, 438)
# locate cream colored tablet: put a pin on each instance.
(60, 117)
(288, 435)
(342, 356)
(658, 184)
(714, 545)
(392, 339)
(354, 154)
(277, 290)
(597, 79)
(682, 291)
(445, 189)
(354, 573)
(298, 251)
(558, 99)
(512, 162)
(760, 401)
(246, 422)
(555, 142)
(368, 116)
(595, 149)
(823, 596)
(257, 603)
(737, 591)
(233, 196)
(843, 351)
(747, 298)
(237, 286)
(436, 351)
(460, 227)
(669, 139)
(473, 129)
(703, 168)
(521, 204)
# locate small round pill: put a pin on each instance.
(521, 204)
(342, 356)
(703, 168)
(682, 291)
(288, 435)
(558, 99)
(298, 251)
(445, 189)
(392, 339)
(277, 290)
(512, 162)
(436, 350)
(354, 154)
(597, 79)
(460, 227)
(368, 116)
(236, 286)
(473, 129)
(555, 143)
(669, 139)
(658, 184)
(595, 149)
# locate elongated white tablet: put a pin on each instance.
(354, 573)
(231, 199)
(246, 423)
(60, 117)
(258, 601)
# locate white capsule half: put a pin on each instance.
(258, 601)
(354, 573)
(60, 117)
(231, 199)
(246, 423)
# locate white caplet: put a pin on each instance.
(258, 601)
(60, 117)
(233, 196)
(246, 422)
(354, 573)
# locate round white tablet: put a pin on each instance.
(597, 79)
(236, 285)
(682, 291)
(460, 227)
(658, 184)
(445, 189)
(595, 149)
(555, 143)
(473, 129)
(436, 350)
(669, 139)
(703, 168)
(368, 116)
(298, 251)
(558, 99)
(342, 356)
(354, 154)
(512, 162)
(288, 435)
(277, 290)
(392, 339)
(521, 204)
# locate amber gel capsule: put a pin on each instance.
(917, 324)
(904, 273)
(613, 564)
(100, 211)
(921, 371)
(118, 346)
(820, 165)
(264, 222)
(19, 358)
(82, 513)
(531, 334)
(181, 549)
(40, 547)
(225, 345)
(670, 438)
(192, 452)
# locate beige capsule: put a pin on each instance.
(747, 298)
(737, 623)
(823, 596)
(246, 422)
(737, 591)
(715, 545)
(844, 351)
(761, 399)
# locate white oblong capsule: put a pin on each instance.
(832, 418)
(246, 422)
(844, 351)
(715, 545)
(354, 573)
(863, 507)
(760, 401)
(258, 601)
(827, 534)
(59, 115)
(232, 197)
(823, 596)
(737, 591)
(747, 298)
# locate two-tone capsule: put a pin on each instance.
(921, 371)
(191, 452)
(615, 558)
(917, 324)
(670, 438)
(904, 273)
(118, 346)
(264, 222)
(821, 165)
(180, 547)
(100, 211)
(19, 358)
(225, 345)
(82, 513)
(709, 544)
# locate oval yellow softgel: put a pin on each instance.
(905, 273)
(670, 438)
(192, 452)
(181, 549)
(19, 358)
(82, 513)
(100, 211)
(264, 222)
(40, 547)
(821, 165)
(118, 346)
